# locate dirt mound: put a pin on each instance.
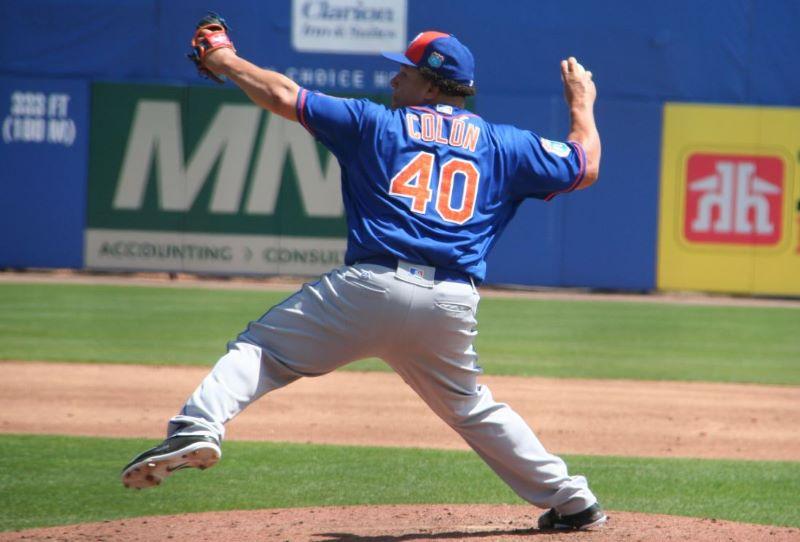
(400, 524)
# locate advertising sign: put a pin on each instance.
(349, 26)
(729, 214)
(202, 180)
(744, 195)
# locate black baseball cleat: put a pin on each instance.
(588, 519)
(149, 468)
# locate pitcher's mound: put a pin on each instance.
(401, 523)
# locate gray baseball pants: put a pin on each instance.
(424, 332)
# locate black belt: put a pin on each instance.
(441, 273)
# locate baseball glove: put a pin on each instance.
(211, 34)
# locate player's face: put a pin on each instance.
(410, 88)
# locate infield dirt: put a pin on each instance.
(602, 417)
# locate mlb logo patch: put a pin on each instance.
(421, 275)
(733, 199)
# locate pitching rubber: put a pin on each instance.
(151, 471)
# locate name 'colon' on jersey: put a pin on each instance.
(434, 185)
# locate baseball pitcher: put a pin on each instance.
(428, 187)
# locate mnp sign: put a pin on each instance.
(202, 180)
(729, 216)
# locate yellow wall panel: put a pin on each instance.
(728, 216)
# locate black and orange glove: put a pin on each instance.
(211, 34)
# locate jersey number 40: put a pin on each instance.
(414, 181)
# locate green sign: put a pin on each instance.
(201, 179)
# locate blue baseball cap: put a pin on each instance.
(442, 53)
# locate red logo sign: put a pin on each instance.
(734, 199)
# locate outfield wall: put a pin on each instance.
(72, 200)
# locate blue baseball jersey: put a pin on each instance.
(433, 185)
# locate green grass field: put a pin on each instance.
(50, 480)
(598, 339)
(79, 482)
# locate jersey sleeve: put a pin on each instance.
(540, 168)
(338, 123)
